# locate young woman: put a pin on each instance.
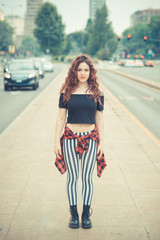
(81, 102)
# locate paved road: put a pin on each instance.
(13, 102)
(144, 72)
(142, 101)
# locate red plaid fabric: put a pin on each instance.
(83, 144)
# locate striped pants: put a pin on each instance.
(88, 160)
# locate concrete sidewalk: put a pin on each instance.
(33, 199)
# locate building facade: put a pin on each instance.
(17, 23)
(32, 10)
(143, 16)
(93, 5)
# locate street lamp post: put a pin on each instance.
(5, 5)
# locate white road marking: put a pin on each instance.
(130, 98)
(151, 99)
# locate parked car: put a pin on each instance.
(39, 66)
(20, 73)
(149, 63)
(48, 66)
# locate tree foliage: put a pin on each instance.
(137, 45)
(30, 44)
(49, 29)
(78, 38)
(154, 27)
(6, 35)
(101, 38)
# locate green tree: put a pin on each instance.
(154, 36)
(30, 44)
(136, 44)
(78, 40)
(67, 45)
(6, 35)
(101, 38)
(49, 29)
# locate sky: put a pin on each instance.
(75, 13)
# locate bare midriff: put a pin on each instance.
(78, 128)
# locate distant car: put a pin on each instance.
(20, 73)
(39, 66)
(129, 63)
(149, 63)
(121, 62)
(48, 66)
(139, 63)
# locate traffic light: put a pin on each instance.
(145, 38)
(118, 38)
(129, 36)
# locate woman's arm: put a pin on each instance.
(61, 119)
(100, 124)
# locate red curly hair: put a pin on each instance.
(71, 81)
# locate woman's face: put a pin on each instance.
(83, 72)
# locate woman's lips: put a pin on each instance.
(82, 77)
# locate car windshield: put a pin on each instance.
(21, 66)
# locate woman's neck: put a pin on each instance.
(83, 86)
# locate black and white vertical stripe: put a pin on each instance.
(88, 160)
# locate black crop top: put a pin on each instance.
(81, 108)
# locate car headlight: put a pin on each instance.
(7, 75)
(31, 75)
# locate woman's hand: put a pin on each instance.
(57, 149)
(100, 150)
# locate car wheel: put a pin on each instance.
(35, 86)
(6, 88)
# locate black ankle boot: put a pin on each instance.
(74, 220)
(86, 222)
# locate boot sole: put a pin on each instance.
(74, 226)
(86, 227)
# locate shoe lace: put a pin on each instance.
(74, 214)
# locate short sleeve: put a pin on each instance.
(100, 107)
(61, 102)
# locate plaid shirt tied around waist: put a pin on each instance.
(83, 144)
